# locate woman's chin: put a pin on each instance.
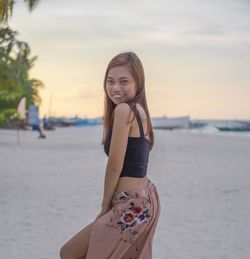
(117, 101)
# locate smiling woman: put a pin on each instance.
(120, 88)
(130, 208)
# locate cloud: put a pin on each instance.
(83, 24)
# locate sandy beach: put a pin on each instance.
(51, 188)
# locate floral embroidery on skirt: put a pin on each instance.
(136, 215)
(130, 209)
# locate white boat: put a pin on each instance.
(170, 123)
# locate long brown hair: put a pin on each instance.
(134, 65)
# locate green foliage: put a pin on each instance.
(15, 64)
(6, 8)
(9, 100)
(7, 115)
(31, 4)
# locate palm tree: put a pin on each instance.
(15, 83)
(6, 8)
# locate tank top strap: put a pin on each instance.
(138, 117)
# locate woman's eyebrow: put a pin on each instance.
(119, 78)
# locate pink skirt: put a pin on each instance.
(126, 231)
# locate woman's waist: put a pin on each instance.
(131, 188)
(127, 183)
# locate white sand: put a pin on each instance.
(50, 189)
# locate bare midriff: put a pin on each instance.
(131, 184)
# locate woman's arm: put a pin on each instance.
(117, 150)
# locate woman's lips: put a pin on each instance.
(117, 96)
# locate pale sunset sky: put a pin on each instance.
(195, 53)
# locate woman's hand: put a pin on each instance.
(103, 211)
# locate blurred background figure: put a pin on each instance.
(47, 125)
(34, 121)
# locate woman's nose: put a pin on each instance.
(116, 86)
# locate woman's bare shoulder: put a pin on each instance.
(124, 112)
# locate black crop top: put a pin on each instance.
(137, 153)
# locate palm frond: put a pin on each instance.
(6, 8)
(31, 4)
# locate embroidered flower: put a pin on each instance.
(128, 217)
(124, 196)
(137, 209)
(136, 215)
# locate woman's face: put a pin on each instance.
(120, 84)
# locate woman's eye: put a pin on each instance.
(124, 82)
(109, 81)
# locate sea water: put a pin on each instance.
(234, 127)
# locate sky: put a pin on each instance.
(195, 54)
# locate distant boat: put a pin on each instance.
(86, 122)
(236, 125)
(171, 123)
(238, 129)
(66, 122)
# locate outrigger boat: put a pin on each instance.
(170, 123)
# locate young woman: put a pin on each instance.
(130, 209)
